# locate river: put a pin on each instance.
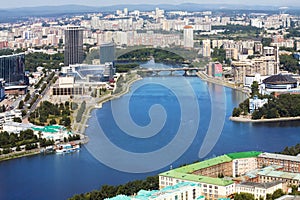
(120, 151)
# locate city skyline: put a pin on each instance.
(95, 3)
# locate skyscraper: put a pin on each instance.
(73, 45)
(107, 52)
(12, 69)
(188, 37)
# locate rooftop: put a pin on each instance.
(196, 178)
(247, 154)
(260, 185)
(204, 164)
(280, 156)
(185, 172)
(280, 79)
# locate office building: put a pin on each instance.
(107, 53)
(188, 37)
(12, 69)
(73, 45)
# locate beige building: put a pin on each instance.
(231, 53)
(258, 189)
(243, 165)
(265, 66)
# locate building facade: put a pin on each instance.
(107, 53)
(12, 69)
(289, 163)
(259, 190)
(73, 45)
(188, 37)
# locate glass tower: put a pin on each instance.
(12, 69)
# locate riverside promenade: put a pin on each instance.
(248, 119)
(97, 102)
(217, 81)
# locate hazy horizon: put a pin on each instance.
(97, 3)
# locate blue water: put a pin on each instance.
(62, 176)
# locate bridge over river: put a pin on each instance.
(187, 70)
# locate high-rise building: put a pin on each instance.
(188, 36)
(73, 45)
(12, 69)
(107, 52)
(206, 48)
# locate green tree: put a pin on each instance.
(243, 196)
(53, 121)
(236, 112)
(21, 104)
(17, 119)
(254, 88)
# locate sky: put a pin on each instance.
(98, 3)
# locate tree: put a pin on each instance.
(278, 193)
(236, 112)
(21, 104)
(17, 119)
(266, 41)
(256, 115)
(254, 89)
(27, 97)
(18, 148)
(53, 121)
(244, 196)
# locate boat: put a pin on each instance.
(67, 148)
(47, 150)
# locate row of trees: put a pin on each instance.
(293, 150)
(27, 138)
(80, 111)
(130, 188)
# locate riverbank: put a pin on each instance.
(97, 102)
(15, 155)
(24, 153)
(248, 119)
(206, 78)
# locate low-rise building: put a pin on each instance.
(183, 191)
(259, 190)
(255, 103)
(289, 163)
(212, 174)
